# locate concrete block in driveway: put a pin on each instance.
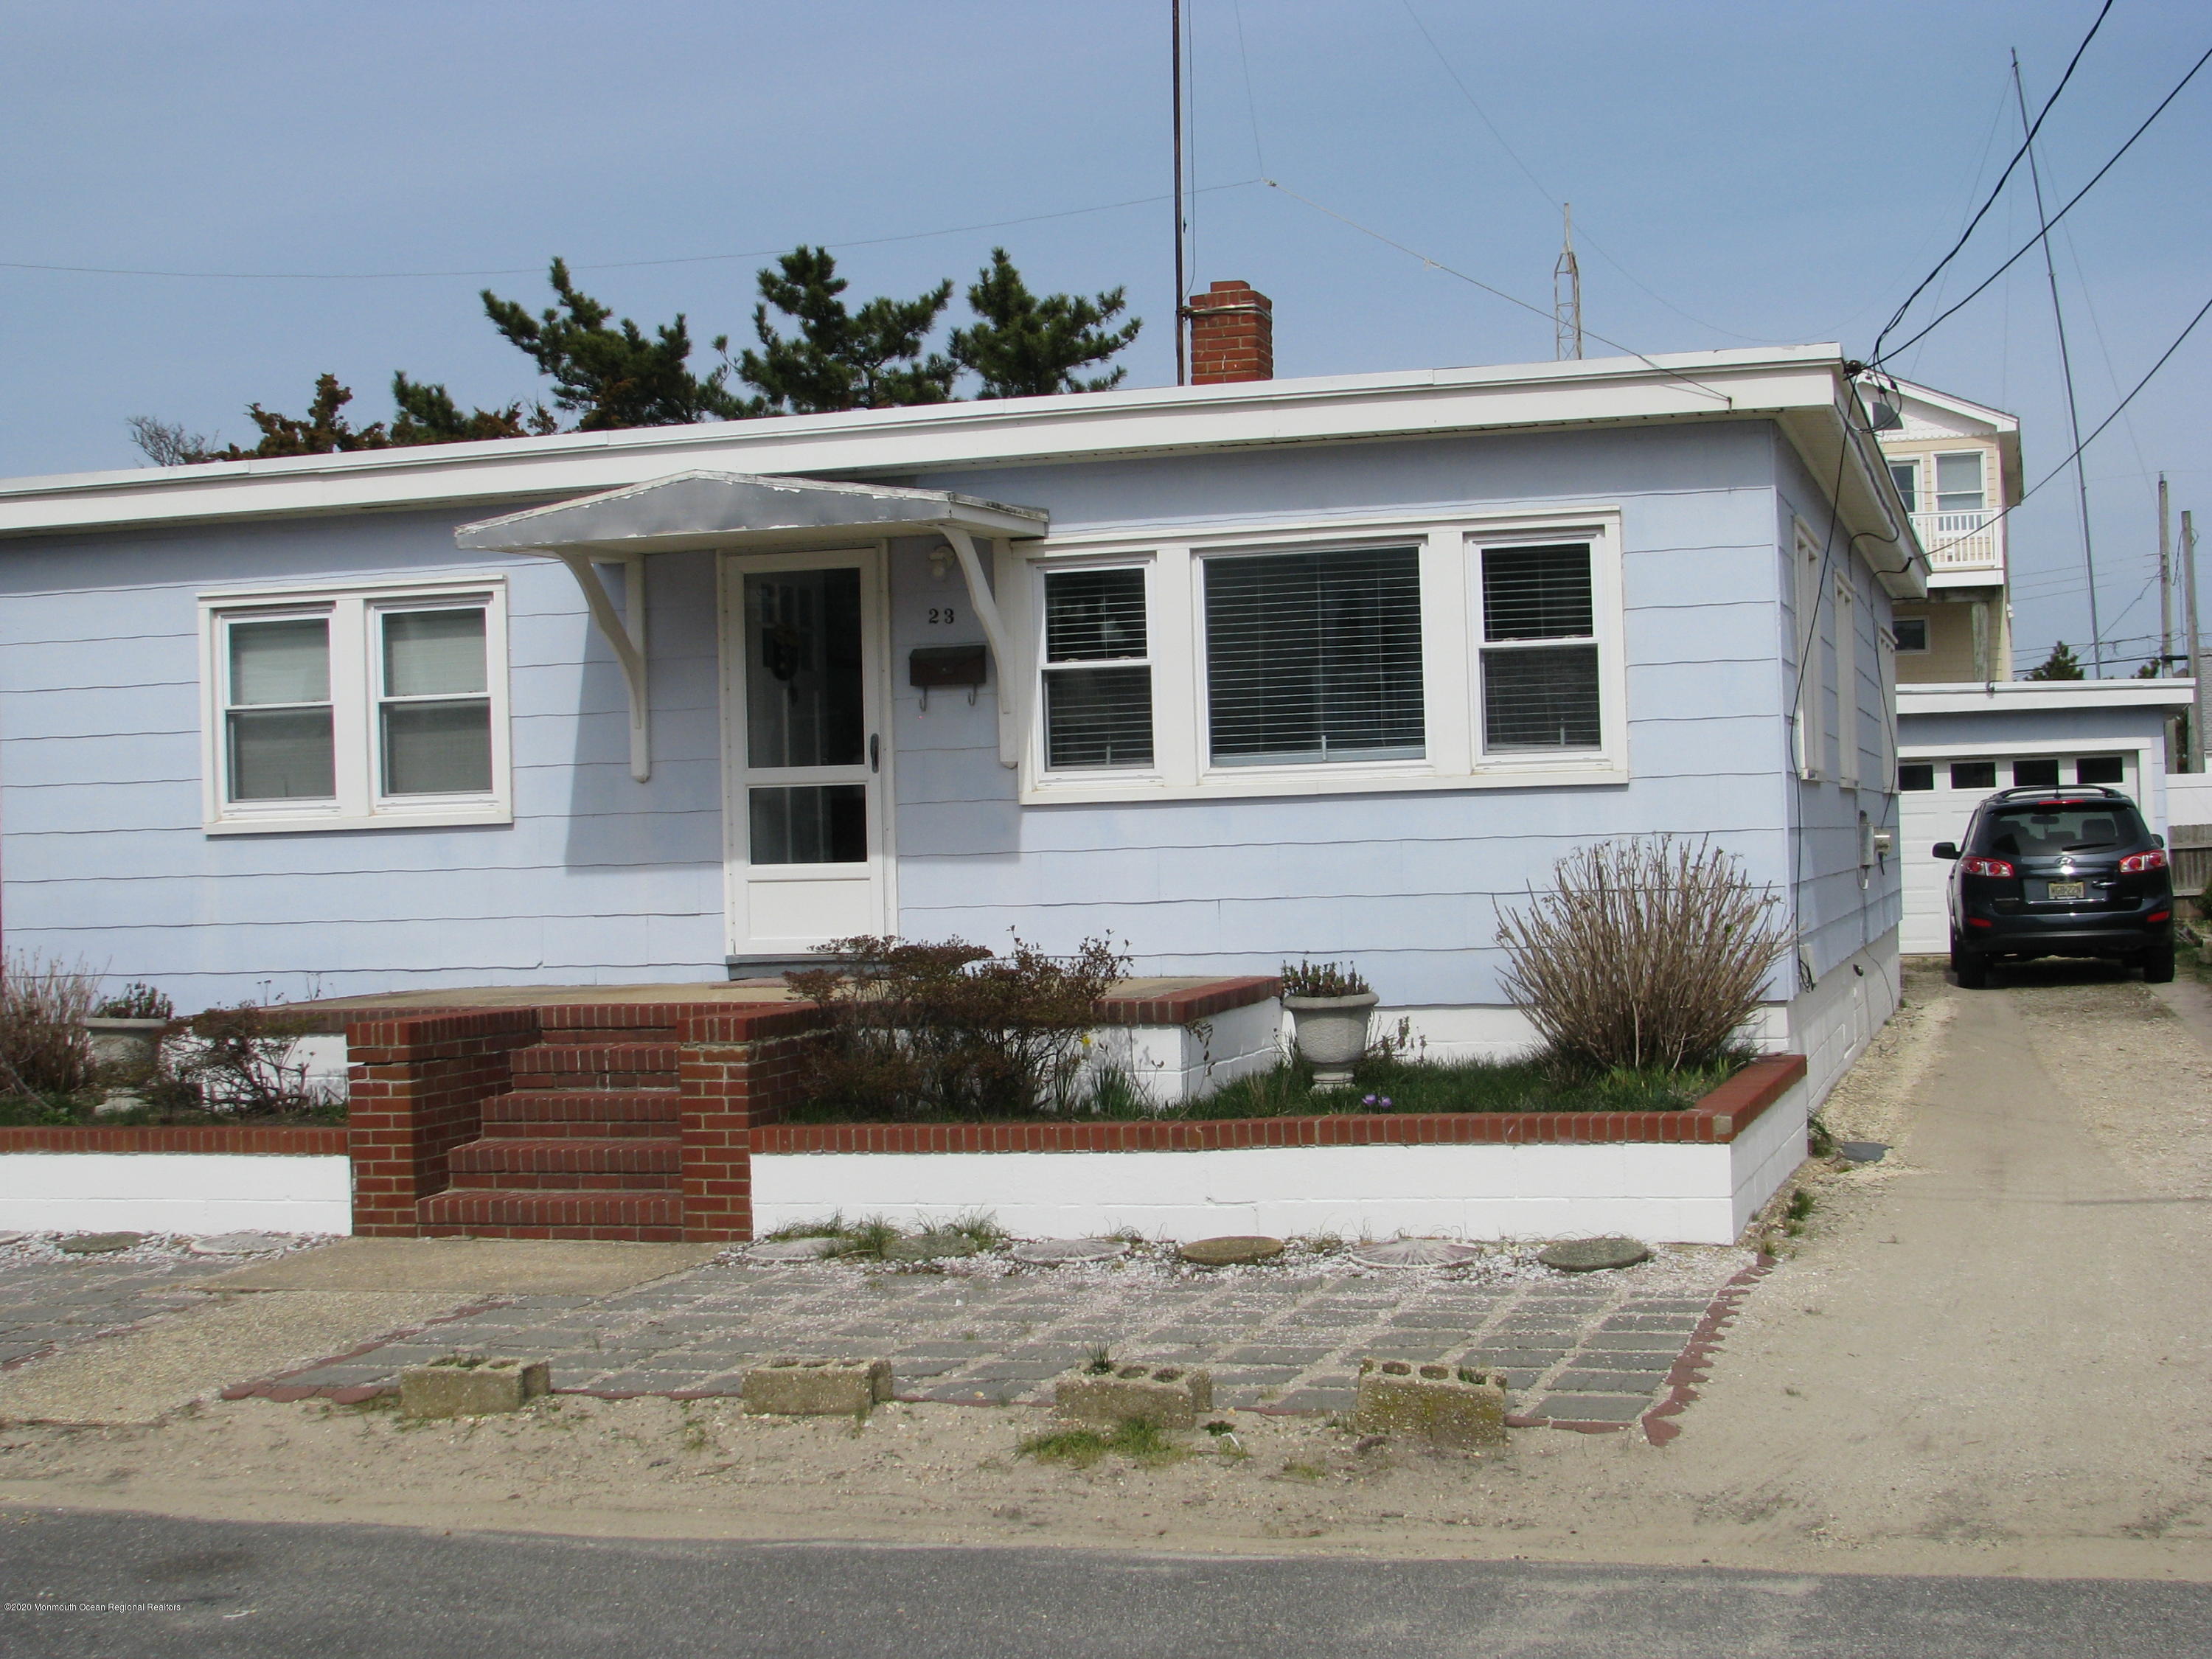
(472, 1385)
(1166, 1396)
(1444, 1405)
(790, 1386)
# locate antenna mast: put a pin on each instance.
(1567, 294)
(1182, 348)
(2066, 369)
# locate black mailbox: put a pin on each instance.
(942, 667)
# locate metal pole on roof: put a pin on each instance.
(2198, 699)
(2066, 369)
(1174, 32)
(2164, 584)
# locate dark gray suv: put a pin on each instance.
(2059, 873)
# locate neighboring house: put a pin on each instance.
(1966, 727)
(1957, 468)
(1957, 744)
(1230, 674)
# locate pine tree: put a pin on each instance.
(840, 359)
(614, 377)
(2060, 665)
(1025, 347)
(427, 415)
(323, 430)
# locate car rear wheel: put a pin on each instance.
(1970, 967)
(2158, 964)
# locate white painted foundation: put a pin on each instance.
(1699, 1194)
(175, 1193)
(1170, 1063)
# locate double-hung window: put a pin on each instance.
(1539, 649)
(1097, 675)
(1907, 474)
(1959, 482)
(346, 709)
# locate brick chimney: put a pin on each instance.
(1232, 335)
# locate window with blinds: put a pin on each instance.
(1539, 649)
(1097, 674)
(1313, 657)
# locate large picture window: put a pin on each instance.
(1097, 675)
(1377, 655)
(352, 707)
(1314, 657)
(1539, 653)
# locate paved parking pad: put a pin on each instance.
(1594, 1349)
(49, 1304)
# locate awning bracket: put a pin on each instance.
(624, 630)
(968, 549)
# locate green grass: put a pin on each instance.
(1136, 1439)
(1286, 1089)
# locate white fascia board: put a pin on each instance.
(1973, 698)
(1744, 384)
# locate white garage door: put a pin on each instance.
(1936, 794)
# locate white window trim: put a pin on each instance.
(1847, 682)
(352, 607)
(1807, 666)
(1101, 775)
(1927, 639)
(1449, 642)
(1934, 487)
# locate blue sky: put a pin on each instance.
(1740, 173)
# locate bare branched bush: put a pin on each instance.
(241, 1063)
(950, 1031)
(44, 1048)
(1645, 952)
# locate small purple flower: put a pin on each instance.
(1367, 1100)
(1386, 1100)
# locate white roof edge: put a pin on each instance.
(1973, 698)
(1958, 405)
(1748, 381)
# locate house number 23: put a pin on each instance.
(942, 614)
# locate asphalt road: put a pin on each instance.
(303, 1592)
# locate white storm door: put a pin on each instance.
(804, 637)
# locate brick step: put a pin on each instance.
(628, 1161)
(567, 1066)
(553, 1212)
(542, 1113)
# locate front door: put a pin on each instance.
(803, 635)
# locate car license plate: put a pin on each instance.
(2070, 890)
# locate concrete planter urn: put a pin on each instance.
(1331, 1034)
(125, 1044)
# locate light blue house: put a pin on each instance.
(1231, 674)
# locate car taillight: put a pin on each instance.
(1985, 867)
(2135, 863)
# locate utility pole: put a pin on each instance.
(1182, 345)
(2197, 700)
(1567, 294)
(2066, 369)
(2165, 585)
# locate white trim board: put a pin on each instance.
(176, 1192)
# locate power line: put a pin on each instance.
(2021, 251)
(610, 264)
(1995, 190)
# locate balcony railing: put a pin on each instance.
(1961, 541)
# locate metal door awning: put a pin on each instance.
(736, 510)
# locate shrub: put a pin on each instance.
(44, 1050)
(1645, 952)
(950, 1031)
(1323, 979)
(135, 1000)
(240, 1065)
